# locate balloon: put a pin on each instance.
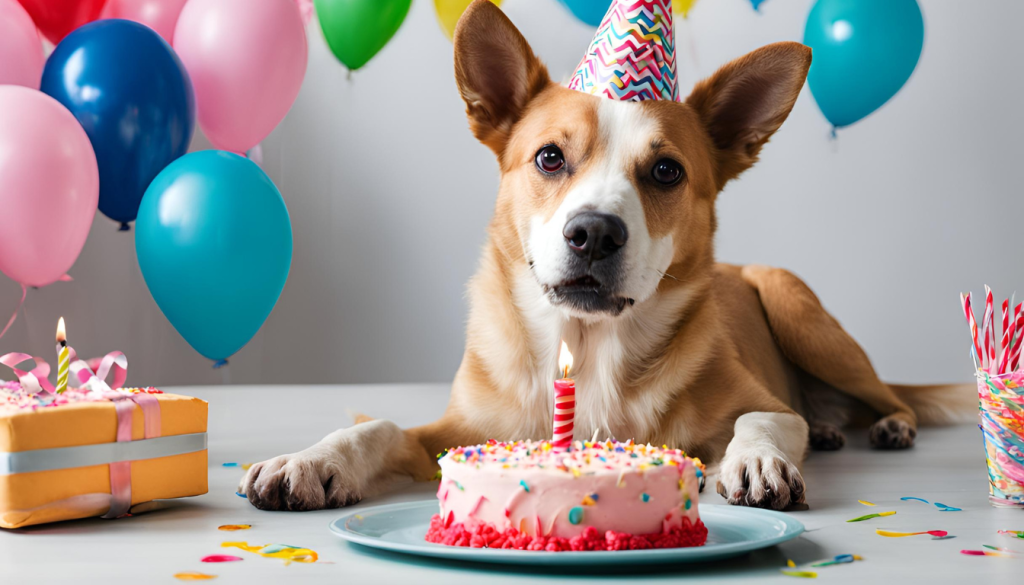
(864, 51)
(449, 11)
(757, 4)
(159, 15)
(589, 11)
(305, 10)
(356, 30)
(49, 185)
(130, 92)
(21, 50)
(56, 18)
(214, 242)
(683, 7)
(247, 60)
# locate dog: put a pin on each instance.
(602, 237)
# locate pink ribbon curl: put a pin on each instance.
(95, 382)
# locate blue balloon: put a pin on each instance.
(134, 98)
(589, 11)
(864, 51)
(214, 242)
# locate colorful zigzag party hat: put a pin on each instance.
(632, 56)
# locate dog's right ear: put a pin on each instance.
(496, 71)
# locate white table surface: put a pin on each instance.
(248, 424)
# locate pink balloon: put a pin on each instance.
(247, 60)
(21, 49)
(159, 15)
(49, 186)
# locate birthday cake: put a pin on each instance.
(530, 495)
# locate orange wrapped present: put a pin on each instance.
(93, 450)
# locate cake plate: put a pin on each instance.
(732, 531)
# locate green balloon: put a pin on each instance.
(357, 29)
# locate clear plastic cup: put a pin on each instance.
(1001, 410)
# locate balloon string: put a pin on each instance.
(124, 227)
(24, 291)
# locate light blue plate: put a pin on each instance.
(732, 531)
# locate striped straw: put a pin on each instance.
(987, 336)
(1004, 345)
(1018, 329)
(969, 312)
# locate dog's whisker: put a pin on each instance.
(666, 275)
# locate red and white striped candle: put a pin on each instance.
(565, 402)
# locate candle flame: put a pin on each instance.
(62, 336)
(564, 360)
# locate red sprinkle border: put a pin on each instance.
(486, 535)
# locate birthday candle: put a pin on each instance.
(63, 357)
(565, 402)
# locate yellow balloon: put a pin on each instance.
(449, 11)
(683, 7)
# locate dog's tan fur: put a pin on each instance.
(726, 362)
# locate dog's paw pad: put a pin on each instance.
(892, 433)
(826, 437)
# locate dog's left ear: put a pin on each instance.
(497, 72)
(747, 100)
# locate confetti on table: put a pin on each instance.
(801, 574)
(870, 516)
(234, 527)
(286, 552)
(239, 495)
(790, 563)
(908, 498)
(246, 466)
(865, 502)
(838, 560)
(982, 553)
(999, 548)
(194, 576)
(935, 533)
(1012, 533)
(231, 464)
(945, 508)
(220, 559)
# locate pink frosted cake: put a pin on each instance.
(595, 496)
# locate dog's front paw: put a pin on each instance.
(761, 480)
(313, 479)
(892, 432)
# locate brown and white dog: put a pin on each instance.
(603, 237)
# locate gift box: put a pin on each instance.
(94, 450)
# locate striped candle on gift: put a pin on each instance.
(63, 357)
(565, 402)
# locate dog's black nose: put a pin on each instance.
(594, 235)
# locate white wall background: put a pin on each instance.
(389, 196)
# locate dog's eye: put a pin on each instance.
(667, 171)
(550, 159)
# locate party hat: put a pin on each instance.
(632, 56)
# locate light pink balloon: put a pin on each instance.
(247, 60)
(49, 186)
(21, 49)
(159, 15)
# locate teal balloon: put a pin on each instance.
(589, 11)
(214, 243)
(864, 51)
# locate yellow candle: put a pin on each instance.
(63, 357)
